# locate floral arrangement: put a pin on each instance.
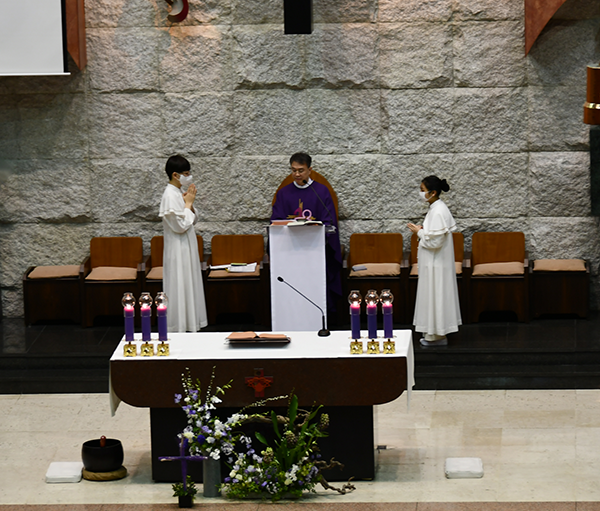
(287, 466)
(290, 466)
(206, 433)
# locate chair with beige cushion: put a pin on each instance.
(560, 286)
(463, 268)
(380, 254)
(52, 293)
(500, 274)
(238, 293)
(115, 266)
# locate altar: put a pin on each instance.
(318, 370)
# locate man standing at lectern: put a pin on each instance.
(306, 198)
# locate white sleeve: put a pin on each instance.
(179, 222)
(431, 241)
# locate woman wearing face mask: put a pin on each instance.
(437, 310)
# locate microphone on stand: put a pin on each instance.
(304, 181)
(323, 332)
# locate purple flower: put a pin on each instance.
(263, 484)
(200, 439)
(300, 483)
(178, 398)
(194, 394)
(227, 479)
(234, 481)
(206, 429)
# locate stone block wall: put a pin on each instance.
(383, 93)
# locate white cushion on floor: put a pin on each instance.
(64, 472)
(463, 468)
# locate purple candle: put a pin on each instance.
(355, 320)
(161, 316)
(129, 313)
(146, 313)
(372, 321)
(388, 323)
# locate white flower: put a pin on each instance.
(251, 468)
(215, 399)
(287, 482)
(215, 455)
(232, 473)
(188, 434)
(210, 440)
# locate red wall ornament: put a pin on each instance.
(179, 10)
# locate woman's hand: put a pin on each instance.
(414, 228)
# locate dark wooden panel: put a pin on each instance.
(335, 382)
(375, 248)
(498, 247)
(118, 251)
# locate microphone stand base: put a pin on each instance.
(323, 333)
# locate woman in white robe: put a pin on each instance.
(182, 275)
(437, 310)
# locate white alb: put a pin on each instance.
(182, 275)
(437, 310)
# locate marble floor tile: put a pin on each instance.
(537, 447)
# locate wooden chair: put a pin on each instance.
(154, 271)
(462, 272)
(560, 286)
(115, 266)
(52, 293)
(374, 250)
(238, 293)
(502, 283)
(319, 178)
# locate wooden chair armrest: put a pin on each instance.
(405, 259)
(466, 260)
(27, 272)
(85, 268)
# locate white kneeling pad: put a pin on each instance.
(463, 468)
(64, 472)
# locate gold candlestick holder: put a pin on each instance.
(147, 349)
(373, 347)
(162, 349)
(389, 347)
(129, 350)
(356, 347)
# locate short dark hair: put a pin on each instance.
(301, 158)
(434, 183)
(176, 163)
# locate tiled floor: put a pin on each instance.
(536, 446)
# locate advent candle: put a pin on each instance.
(128, 302)
(371, 298)
(146, 313)
(129, 313)
(388, 323)
(388, 319)
(354, 299)
(355, 321)
(161, 315)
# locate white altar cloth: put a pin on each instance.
(214, 346)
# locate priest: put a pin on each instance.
(301, 196)
(182, 275)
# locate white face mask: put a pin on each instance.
(422, 195)
(185, 180)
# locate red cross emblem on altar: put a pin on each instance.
(259, 382)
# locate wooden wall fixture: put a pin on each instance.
(75, 16)
(591, 108)
(179, 10)
(537, 15)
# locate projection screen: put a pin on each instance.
(33, 37)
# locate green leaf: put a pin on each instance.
(293, 411)
(275, 425)
(261, 438)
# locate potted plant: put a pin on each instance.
(185, 492)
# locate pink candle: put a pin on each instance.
(161, 314)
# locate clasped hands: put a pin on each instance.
(414, 228)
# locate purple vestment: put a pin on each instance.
(290, 203)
